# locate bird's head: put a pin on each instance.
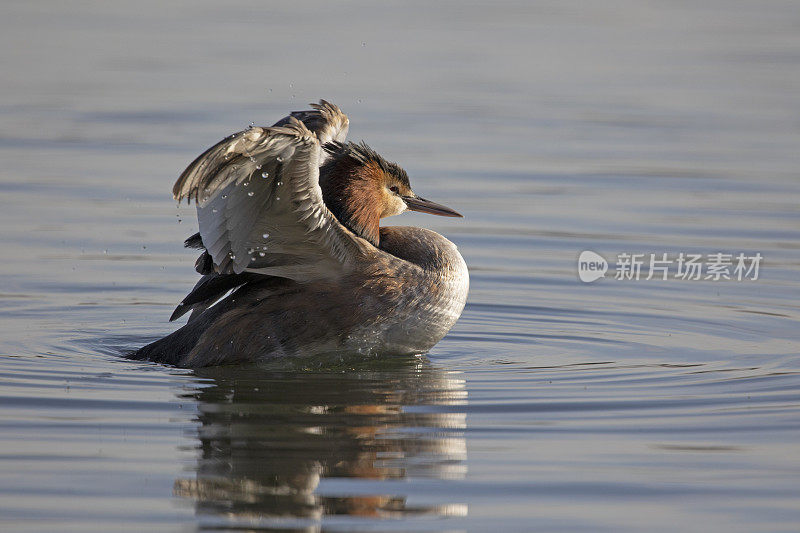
(360, 187)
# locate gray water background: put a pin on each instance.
(555, 127)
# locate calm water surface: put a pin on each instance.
(552, 405)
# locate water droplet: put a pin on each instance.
(359, 100)
(251, 124)
(214, 210)
(179, 221)
(280, 183)
(253, 159)
(258, 167)
(232, 256)
(261, 254)
(251, 193)
(144, 247)
(105, 251)
(266, 235)
(224, 196)
(363, 43)
(279, 159)
(250, 250)
(265, 174)
(277, 197)
(246, 183)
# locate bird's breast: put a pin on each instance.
(417, 294)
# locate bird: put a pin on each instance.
(294, 262)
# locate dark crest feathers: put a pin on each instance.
(362, 153)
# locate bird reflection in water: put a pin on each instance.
(272, 443)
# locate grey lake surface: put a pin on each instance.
(556, 127)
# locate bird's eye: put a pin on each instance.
(394, 189)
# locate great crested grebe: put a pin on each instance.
(289, 222)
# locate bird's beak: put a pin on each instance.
(415, 203)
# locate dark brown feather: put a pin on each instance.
(352, 191)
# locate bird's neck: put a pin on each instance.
(352, 196)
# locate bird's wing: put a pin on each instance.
(260, 206)
(325, 119)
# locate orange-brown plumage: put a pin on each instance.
(360, 188)
(350, 191)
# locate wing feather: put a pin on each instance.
(259, 203)
(325, 119)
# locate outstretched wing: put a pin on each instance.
(325, 119)
(260, 206)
